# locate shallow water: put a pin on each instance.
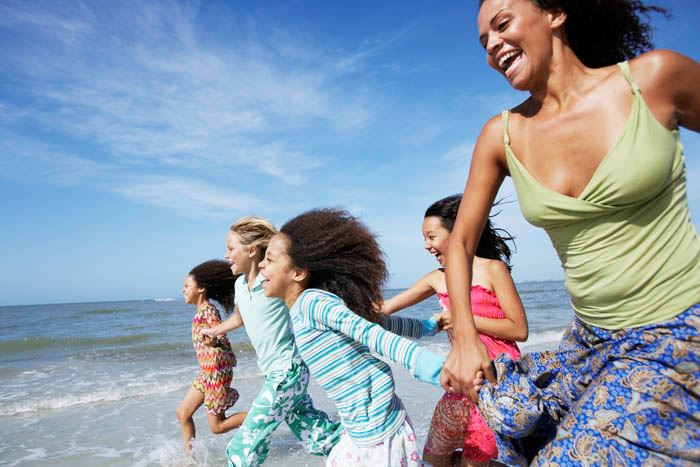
(92, 384)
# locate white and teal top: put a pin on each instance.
(268, 326)
(337, 346)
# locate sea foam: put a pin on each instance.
(29, 406)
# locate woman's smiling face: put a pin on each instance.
(517, 37)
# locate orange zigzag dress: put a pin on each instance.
(216, 362)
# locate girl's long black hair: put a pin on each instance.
(493, 242)
(216, 278)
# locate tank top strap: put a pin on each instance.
(504, 120)
(625, 69)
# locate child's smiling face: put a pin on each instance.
(191, 291)
(436, 238)
(277, 268)
(237, 254)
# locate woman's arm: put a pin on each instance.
(669, 84)
(424, 288)
(469, 357)
(514, 326)
(234, 321)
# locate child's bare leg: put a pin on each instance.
(220, 423)
(190, 403)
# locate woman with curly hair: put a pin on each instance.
(211, 280)
(329, 270)
(596, 160)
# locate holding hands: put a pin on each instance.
(465, 367)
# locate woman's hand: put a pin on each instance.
(466, 365)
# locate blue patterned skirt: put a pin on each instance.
(622, 397)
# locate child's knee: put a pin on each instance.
(217, 425)
(183, 414)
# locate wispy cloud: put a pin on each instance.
(460, 153)
(490, 102)
(190, 198)
(141, 87)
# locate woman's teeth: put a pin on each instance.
(507, 59)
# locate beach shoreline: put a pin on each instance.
(101, 385)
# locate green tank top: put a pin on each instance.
(631, 255)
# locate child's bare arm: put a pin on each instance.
(514, 326)
(424, 288)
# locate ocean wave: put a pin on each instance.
(104, 311)
(160, 450)
(7, 372)
(29, 406)
(117, 388)
(542, 338)
(550, 336)
(164, 299)
(144, 350)
(27, 344)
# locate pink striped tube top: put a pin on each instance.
(485, 304)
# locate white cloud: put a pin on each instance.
(460, 153)
(491, 102)
(35, 162)
(136, 82)
(190, 198)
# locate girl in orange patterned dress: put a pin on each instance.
(211, 280)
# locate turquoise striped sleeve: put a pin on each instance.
(410, 327)
(329, 311)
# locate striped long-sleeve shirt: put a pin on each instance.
(336, 344)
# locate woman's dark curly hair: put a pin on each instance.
(215, 277)
(492, 244)
(341, 255)
(605, 32)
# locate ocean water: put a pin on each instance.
(97, 384)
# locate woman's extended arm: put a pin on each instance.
(488, 168)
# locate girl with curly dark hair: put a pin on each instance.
(329, 270)
(596, 160)
(500, 320)
(211, 280)
(283, 396)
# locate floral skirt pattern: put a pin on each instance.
(400, 450)
(283, 398)
(621, 397)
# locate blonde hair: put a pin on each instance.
(254, 231)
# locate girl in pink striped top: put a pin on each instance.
(499, 317)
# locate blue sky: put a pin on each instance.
(132, 134)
